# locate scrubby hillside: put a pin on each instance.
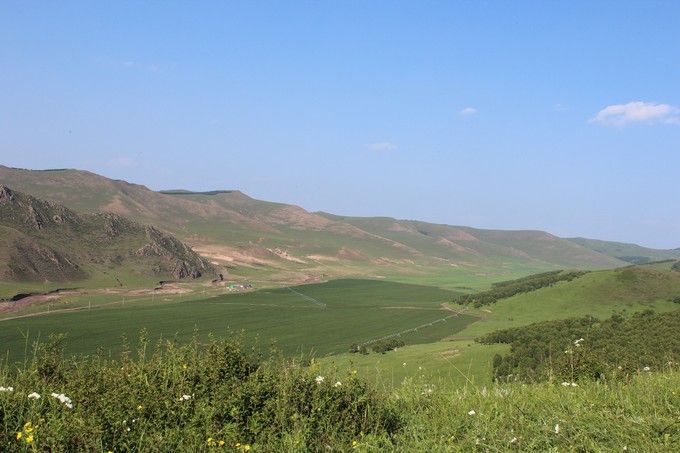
(231, 228)
(44, 241)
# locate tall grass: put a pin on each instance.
(220, 396)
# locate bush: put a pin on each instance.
(184, 398)
(383, 346)
(578, 348)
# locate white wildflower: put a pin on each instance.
(472, 412)
(565, 384)
(63, 399)
(185, 397)
(647, 368)
(557, 428)
(6, 389)
(577, 343)
(574, 384)
(34, 396)
(403, 364)
(319, 379)
(420, 368)
(337, 384)
(513, 440)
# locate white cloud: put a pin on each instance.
(121, 162)
(382, 146)
(637, 112)
(468, 111)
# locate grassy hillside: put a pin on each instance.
(600, 294)
(631, 253)
(321, 318)
(287, 243)
(44, 242)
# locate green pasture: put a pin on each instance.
(600, 294)
(341, 312)
(449, 364)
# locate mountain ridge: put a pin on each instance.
(234, 229)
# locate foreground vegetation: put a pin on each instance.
(587, 348)
(218, 396)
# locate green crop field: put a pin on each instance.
(320, 318)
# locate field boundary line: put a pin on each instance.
(320, 304)
(415, 329)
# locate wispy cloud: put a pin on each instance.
(468, 111)
(637, 112)
(382, 146)
(121, 162)
(139, 65)
(130, 64)
(560, 108)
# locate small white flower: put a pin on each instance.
(647, 368)
(403, 364)
(319, 379)
(574, 384)
(420, 368)
(63, 399)
(565, 384)
(472, 412)
(477, 441)
(557, 428)
(337, 384)
(6, 389)
(34, 396)
(185, 397)
(513, 440)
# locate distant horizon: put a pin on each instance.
(559, 117)
(325, 211)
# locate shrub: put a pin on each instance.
(383, 346)
(184, 398)
(580, 348)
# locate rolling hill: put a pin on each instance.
(290, 243)
(43, 241)
(631, 253)
(600, 294)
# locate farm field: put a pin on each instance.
(318, 318)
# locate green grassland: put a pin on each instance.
(448, 364)
(355, 311)
(600, 294)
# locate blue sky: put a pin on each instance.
(543, 115)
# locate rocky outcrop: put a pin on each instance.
(51, 242)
